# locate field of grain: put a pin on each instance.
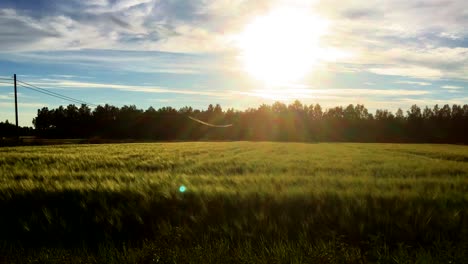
(242, 202)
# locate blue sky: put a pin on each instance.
(383, 54)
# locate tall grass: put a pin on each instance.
(245, 202)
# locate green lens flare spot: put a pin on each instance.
(182, 188)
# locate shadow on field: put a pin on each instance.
(72, 218)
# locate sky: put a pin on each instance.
(238, 53)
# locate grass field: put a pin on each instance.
(244, 203)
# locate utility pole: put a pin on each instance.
(16, 109)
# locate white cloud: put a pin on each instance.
(296, 93)
(401, 38)
(410, 18)
(411, 71)
(134, 61)
(22, 105)
(121, 25)
(452, 87)
(68, 76)
(160, 100)
(6, 84)
(452, 36)
(125, 4)
(414, 82)
(287, 91)
(50, 83)
(415, 62)
(419, 39)
(383, 92)
(433, 101)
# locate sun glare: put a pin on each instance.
(282, 46)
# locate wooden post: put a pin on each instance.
(16, 110)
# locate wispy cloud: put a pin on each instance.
(425, 39)
(160, 100)
(422, 40)
(409, 71)
(415, 83)
(131, 61)
(23, 105)
(433, 101)
(451, 87)
(150, 25)
(6, 84)
(69, 76)
(287, 94)
(61, 84)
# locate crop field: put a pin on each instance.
(234, 202)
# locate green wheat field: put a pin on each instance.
(234, 202)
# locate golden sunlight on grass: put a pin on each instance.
(282, 46)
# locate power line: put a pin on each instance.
(53, 94)
(43, 91)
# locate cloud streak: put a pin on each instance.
(288, 94)
(414, 83)
(61, 84)
(22, 105)
(451, 87)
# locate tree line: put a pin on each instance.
(276, 122)
(8, 130)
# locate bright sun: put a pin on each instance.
(282, 46)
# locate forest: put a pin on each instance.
(276, 122)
